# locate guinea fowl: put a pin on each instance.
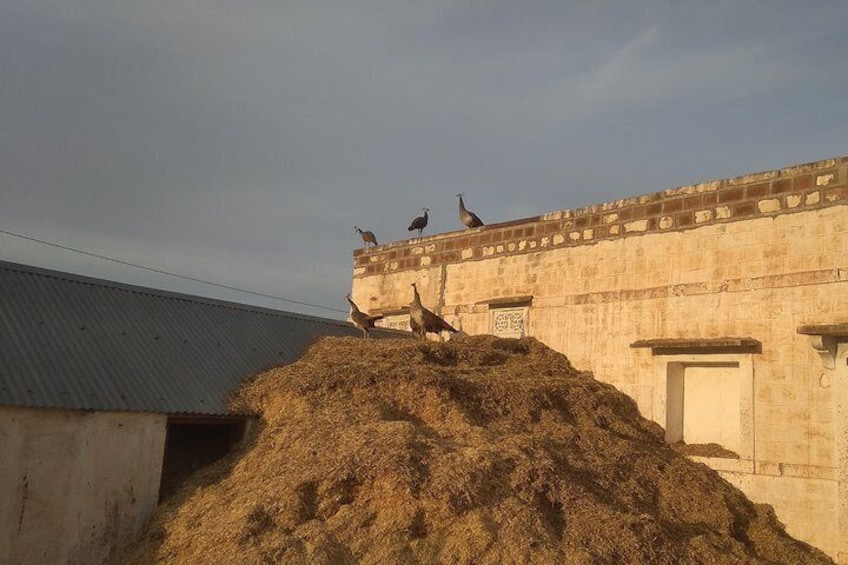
(360, 319)
(368, 237)
(423, 321)
(467, 217)
(420, 222)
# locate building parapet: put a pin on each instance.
(767, 194)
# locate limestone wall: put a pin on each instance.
(75, 485)
(750, 258)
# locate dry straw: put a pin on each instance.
(478, 450)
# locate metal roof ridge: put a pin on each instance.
(161, 293)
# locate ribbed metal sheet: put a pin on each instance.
(80, 343)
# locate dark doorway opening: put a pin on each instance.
(193, 443)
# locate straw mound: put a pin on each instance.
(478, 450)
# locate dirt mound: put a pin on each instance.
(479, 450)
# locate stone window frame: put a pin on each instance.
(507, 306)
(671, 355)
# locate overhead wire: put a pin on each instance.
(169, 273)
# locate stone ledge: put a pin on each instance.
(723, 464)
(507, 301)
(696, 343)
(825, 329)
(685, 346)
(768, 468)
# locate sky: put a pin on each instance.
(240, 142)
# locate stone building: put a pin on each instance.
(721, 308)
(110, 394)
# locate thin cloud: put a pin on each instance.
(645, 71)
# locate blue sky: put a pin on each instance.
(240, 142)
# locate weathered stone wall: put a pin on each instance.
(752, 257)
(74, 485)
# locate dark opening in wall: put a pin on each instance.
(193, 443)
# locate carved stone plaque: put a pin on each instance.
(509, 322)
(395, 323)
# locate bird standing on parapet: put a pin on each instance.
(420, 222)
(359, 318)
(423, 321)
(467, 217)
(368, 237)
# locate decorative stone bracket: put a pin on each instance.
(825, 346)
(826, 339)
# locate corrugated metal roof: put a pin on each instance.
(75, 342)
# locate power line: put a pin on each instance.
(169, 273)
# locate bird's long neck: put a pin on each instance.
(461, 205)
(416, 299)
(353, 308)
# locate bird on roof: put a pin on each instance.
(420, 222)
(368, 237)
(359, 318)
(423, 321)
(467, 217)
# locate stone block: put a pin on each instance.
(826, 179)
(692, 202)
(768, 205)
(744, 209)
(835, 194)
(768, 468)
(702, 216)
(731, 194)
(793, 200)
(636, 226)
(757, 190)
(803, 182)
(779, 186)
(672, 206)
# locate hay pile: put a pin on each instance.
(479, 450)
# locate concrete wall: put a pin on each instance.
(74, 485)
(751, 257)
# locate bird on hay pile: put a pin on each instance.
(360, 319)
(467, 217)
(420, 222)
(368, 237)
(423, 321)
